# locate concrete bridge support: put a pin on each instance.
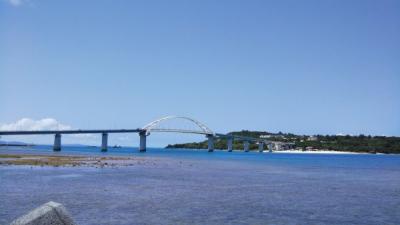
(261, 146)
(142, 146)
(210, 143)
(104, 140)
(270, 147)
(246, 146)
(57, 142)
(230, 144)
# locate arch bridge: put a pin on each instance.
(154, 126)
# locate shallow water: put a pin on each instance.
(197, 187)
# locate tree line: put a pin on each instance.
(360, 143)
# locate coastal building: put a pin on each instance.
(265, 136)
(312, 138)
(278, 146)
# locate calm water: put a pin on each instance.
(197, 187)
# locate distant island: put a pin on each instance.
(14, 143)
(343, 143)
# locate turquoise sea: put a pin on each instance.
(197, 187)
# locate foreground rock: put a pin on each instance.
(51, 213)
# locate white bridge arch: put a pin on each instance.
(154, 126)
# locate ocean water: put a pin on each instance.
(197, 187)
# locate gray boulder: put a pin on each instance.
(51, 213)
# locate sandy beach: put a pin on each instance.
(318, 152)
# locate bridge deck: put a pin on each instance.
(70, 131)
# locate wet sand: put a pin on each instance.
(70, 160)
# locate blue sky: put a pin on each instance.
(305, 67)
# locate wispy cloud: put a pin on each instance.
(123, 138)
(30, 124)
(83, 135)
(14, 2)
(17, 3)
(42, 124)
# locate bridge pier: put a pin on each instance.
(246, 146)
(230, 144)
(104, 140)
(210, 142)
(270, 147)
(57, 142)
(261, 146)
(142, 146)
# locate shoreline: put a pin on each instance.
(114, 161)
(323, 152)
(313, 152)
(71, 160)
(301, 151)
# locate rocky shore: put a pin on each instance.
(70, 161)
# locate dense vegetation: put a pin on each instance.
(361, 143)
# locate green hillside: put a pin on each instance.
(361, 143)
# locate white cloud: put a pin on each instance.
(123, 138)
(42, 124)
(18, 3)
(83, 135)
(15, 3)
(30, 124)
